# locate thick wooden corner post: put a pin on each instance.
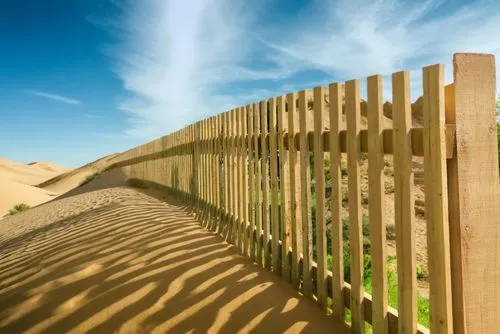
(474, 196)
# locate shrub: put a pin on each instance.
(88, 179)
(21, 207)
(421, 272)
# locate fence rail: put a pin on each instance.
(269, 176)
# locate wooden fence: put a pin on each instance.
(269, 176)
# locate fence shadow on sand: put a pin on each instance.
(142, 267)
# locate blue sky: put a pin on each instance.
(80, 79)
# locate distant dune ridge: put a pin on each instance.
(39, 182)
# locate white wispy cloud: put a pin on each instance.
(55, 97)
(354, 39)
(176, 55)
(183, 60)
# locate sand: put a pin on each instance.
(106, 258)
(18, 183)
(39, 182)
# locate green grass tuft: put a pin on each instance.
(21, 207)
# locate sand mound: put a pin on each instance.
(17, 183)
(72, 179)
(49, 166)
(25, 174)
(14, 192)
(38, 182)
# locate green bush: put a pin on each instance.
(421, 272)
(21, 207)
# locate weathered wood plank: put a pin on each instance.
(273, 161)
(294, 192)
(284, 188)
(234, 178)
(265, 184)
(404, 204)
(244, 168)
(239, 169)
(258, 185)
(250, 184)
(305, 194)
(436, 201)
(227, 181)
(353, 118)
(220, 179)
(335, 109)
(319, 190)
(474, 211)
(416, 134)
(376, 204)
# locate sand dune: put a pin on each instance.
(39, 182)
(25, 174)
(72, 179)
(119, 260)
(49, 166)
(18, 183)
(13, 192)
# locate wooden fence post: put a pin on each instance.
(474, 200)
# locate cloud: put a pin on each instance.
(55, 97)
(176, 57)
(181, 61)
(355, 39)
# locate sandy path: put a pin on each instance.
(118, 260)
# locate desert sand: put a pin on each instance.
(18, 183)
(39, 182)
(108, 258)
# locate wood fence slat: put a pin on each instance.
(376, 190)
(209, 174)
(474, 208)
(436, 201)
(201, 175)
(206, 168)
(208, 134)
(248, 178)
(258, 185)
(218, 156)
(203, 171)
(274, 187)
(213, 169)
(196, 161)
(251, 183)
(234, 178)
(319, 189)
(242, 178)
(238, 183)
(265, 183)
(294, 189)
(335, 108)
(404, 204)
(353, 120)
(305, 194)
(227, 202)
(284, 186)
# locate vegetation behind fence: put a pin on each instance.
(298, 183)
